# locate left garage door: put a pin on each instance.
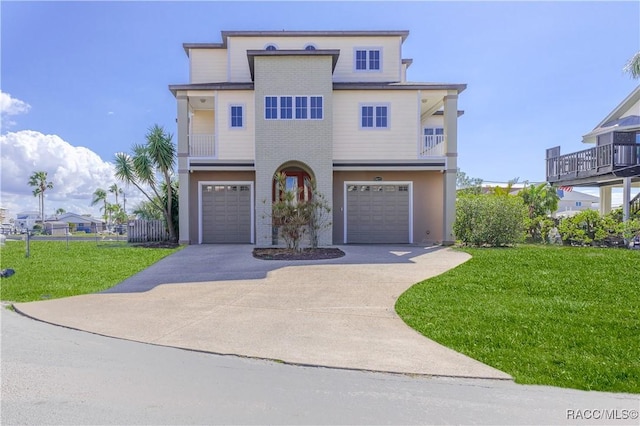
(226, 214)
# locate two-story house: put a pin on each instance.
(334, 106)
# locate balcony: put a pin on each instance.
(617, 159)
(202, 146)
(433, 146)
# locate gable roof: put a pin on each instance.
(74, 217)
(614, 118)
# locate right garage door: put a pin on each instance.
(377, 213)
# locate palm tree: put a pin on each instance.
(100, 195)
(155, 159)
(633, 66)
(39, 181)
(60, 211)
(114, 189)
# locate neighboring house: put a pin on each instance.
(613, 161)
(334, 106)
(26, 220)
(572, 202)
(56, 227)
(81, 223)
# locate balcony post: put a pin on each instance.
(605, 199)
(626, 198)
(183, 167)
(449, 190)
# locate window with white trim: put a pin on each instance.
(301, 107)
(374, 116)
(368, 59)
(271, 107)
(316, 107)
(271, 47)
(286, 108)
(293, 107)
(236, 113)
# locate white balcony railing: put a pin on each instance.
(202, 145)
(433, 146)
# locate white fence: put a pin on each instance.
(142, 231)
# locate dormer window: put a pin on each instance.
(270, 47)
(368, 59)
(309, 47)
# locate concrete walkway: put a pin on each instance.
(219, 299)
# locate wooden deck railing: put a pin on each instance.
(634, 204)
(594, 161)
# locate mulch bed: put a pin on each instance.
(304, 254)
(156, 244)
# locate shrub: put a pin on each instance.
(589, 228)
(490, 220)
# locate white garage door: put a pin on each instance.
(226, 214)
(377, 213)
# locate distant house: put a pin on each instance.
(572, 202)
(612, 160)
(81, 223)
(56, 227)
(26, 220)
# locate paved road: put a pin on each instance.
(53, 375)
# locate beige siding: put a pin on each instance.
(208, 65)
(236, 144)
(390, 46)
(202, 122)
(399, 141)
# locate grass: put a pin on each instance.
(559, 316)
(56, 270)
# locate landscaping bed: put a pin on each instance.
(304, 254)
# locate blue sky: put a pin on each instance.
(94, 75)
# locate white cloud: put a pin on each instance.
(76, 172)
(11, 106)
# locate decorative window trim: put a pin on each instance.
(375, 124)
(243, 116)
(367, 60)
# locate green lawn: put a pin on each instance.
(52, 270)
(558, 316)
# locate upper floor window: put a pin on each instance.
(293, 107)
(374, 116)
(301, 107)
(286, 107)
(271, 107)
(309, 47)
(316, 107)
(237, 116)
(271, 47)
(368, 60)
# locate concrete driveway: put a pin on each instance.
(219, 299)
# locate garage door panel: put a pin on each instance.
(378, 213)
(226, 214)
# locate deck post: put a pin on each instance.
(605, 199)
(626, 198)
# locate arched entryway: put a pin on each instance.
(297, 177)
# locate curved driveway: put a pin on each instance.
(219, 299)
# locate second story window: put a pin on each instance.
(271, 47)
(316, 107)
(368, 60)
(374, 116)
(271, 108)
(286, 107)
(237, 116)
(293, 107)
(301, 107)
